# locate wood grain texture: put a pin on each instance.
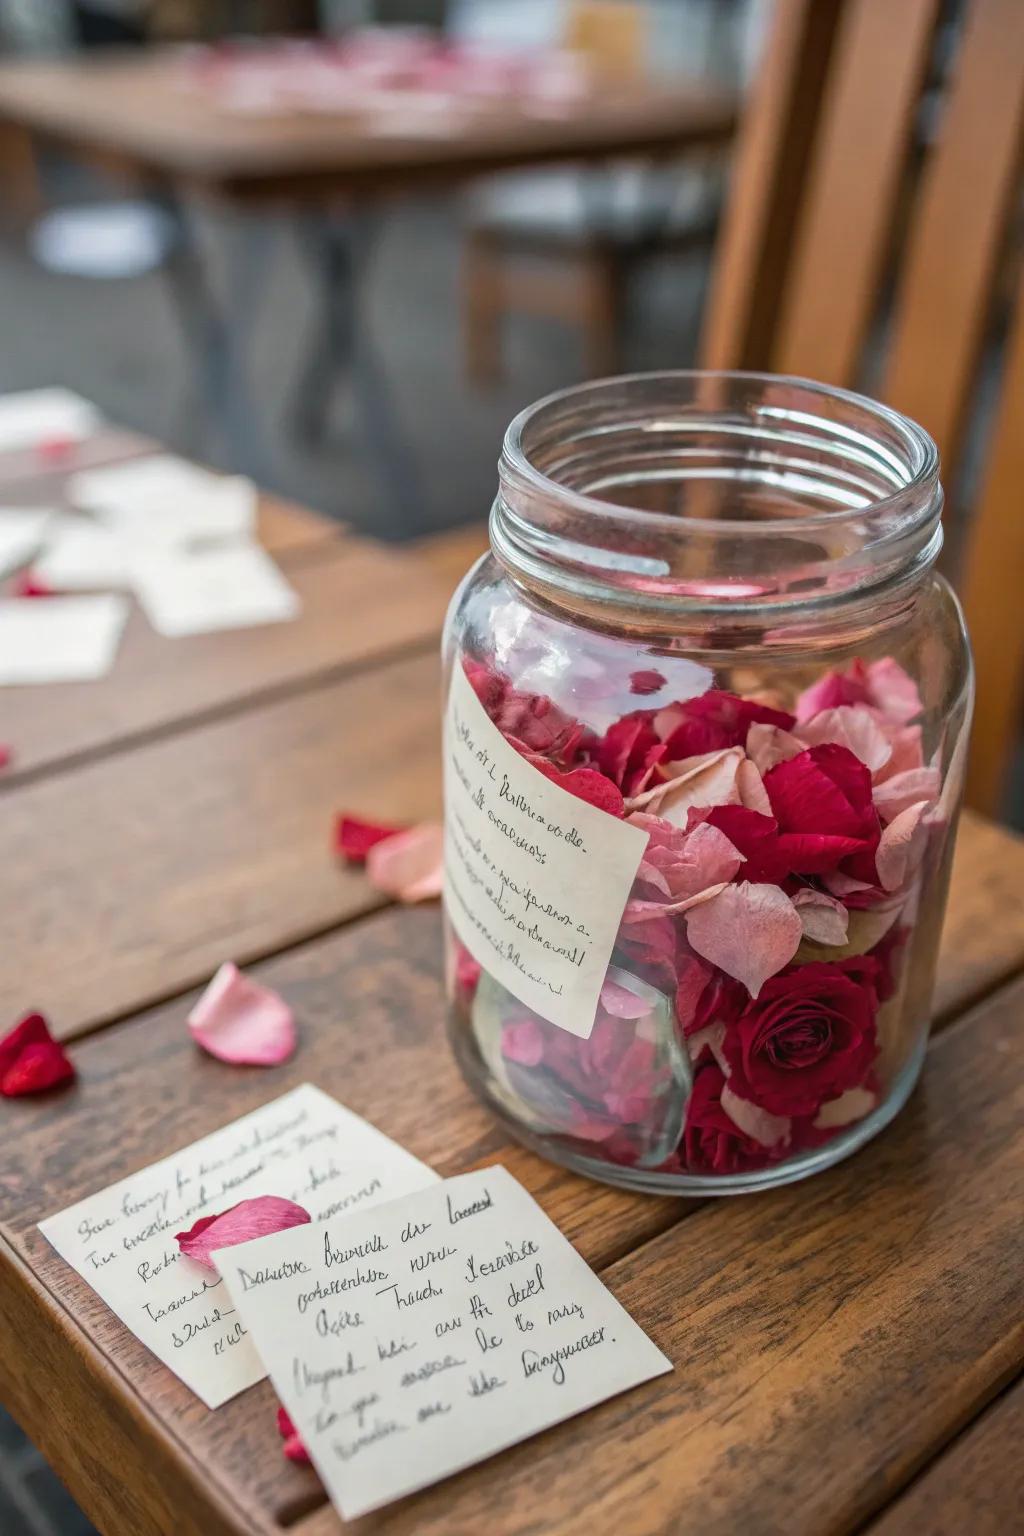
(360, 601)
(370, 1011)
(132, 878)
(828, 1338)
(137, 112)
(977, 1485)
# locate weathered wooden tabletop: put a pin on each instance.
(847, 1351)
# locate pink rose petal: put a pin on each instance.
(523, 1042)
(293, 1447)
(705, 780)
(901, 846)
(751, 790)
(767, 1129)
(768, 745)
(903, 790)
(240, 1223)
(239, 1021)
(825, 920)
(638, 911)
(409, 865)
(621, 1003)
(893, 690)
(852, 726)
(749, 931)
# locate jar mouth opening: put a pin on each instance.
(915, 470)
(700, 490)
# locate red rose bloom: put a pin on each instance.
(712, 1143)
(807, 1037)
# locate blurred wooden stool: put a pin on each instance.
(872, 226)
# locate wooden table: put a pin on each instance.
(134, 114)
(847, 1351)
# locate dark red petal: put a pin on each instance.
(647, 680)
(5, 756)
(353, 837)
(285, 1425)
(31, 1030)
(293, 1447)
(586, 784)
(40, 1065)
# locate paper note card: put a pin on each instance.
(59, 639)
(167, 500)
(232, 587)
(536, 880)
(304, 1146)
(414, 1340)
(37, 416)
(81, 556)
(21, 535)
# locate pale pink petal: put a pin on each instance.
(954, 781)
(825, 920)
(621, 1003)
(711, 1038)
(893, 690)
(707, 779)
(767, 1129)
(901, 846)
(769, 745)
(845, 885)
(851, 726)
(241, 1223)
(713, 855)
(904, 790)
(748, 931)
(751, 790)
(907, 751)
(239, 1021)
(637, 911)
(852, 1105)
(409, 865)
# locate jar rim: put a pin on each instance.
(923, 477)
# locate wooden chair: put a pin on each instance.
(861, 251)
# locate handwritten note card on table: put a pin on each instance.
(536, 880)
(417, 1339)
(304, 1146)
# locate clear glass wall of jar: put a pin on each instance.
(710, 610)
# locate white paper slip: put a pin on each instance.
(535, 879)
(304, 1146)
(60, 639)
(233, 587)
(417, 1339)
(21, 536)
(79, 556)
(166, 500)
(36, 415)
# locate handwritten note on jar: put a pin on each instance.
(417, 1339)
(536, 879)
(304, 1146)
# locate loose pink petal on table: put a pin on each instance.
(31, 1060)
(901, 846)
(354, 837)
(749, 931)
(293, 1447)
(240, 1223)
(825, 920)
(239, 1021)
(409, 865)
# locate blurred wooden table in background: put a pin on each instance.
(845, 1350)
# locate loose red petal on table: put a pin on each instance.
(354, 837)
(241, 1022)
(5, 756)
(293, 1446)
(31, 1060)
(240, 1223)
(408, 866)
(27, 585)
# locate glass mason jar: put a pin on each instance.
(709, 682)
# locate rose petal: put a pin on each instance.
(31, 1060)
(851, 726)
(710, 1039)
(893, 690)
(825, 920)
(646, 681)
(586, 784)
(239, 1021)
(638, 911)
(748, 931)
(409, 865)
(293, 1447)
(621, 1003)
(751, 790)
(27, 585)
(903, 790)
(5, 756)
(522, 1042)
(852, 1105)
(354, 837)
(767, 1129)
(768, 745)
(705, 780)
(901, 846)
(240, 1223)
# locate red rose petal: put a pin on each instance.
(240, 1223)
(354, 837)
(241, 1022)
(27, 585)
(31, 1061)
(293, 1447)
(586, 784)
(647, 680)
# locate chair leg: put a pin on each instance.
(481, 308)
(602, 313)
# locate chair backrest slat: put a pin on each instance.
(943, 302)
(856, 173)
